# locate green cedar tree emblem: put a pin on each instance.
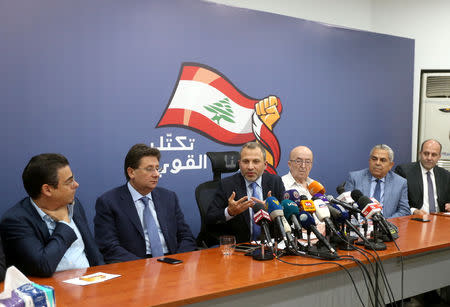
(221, 110)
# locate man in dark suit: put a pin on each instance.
(48, 231)
(236, 195)
(379, 182)
(428, 184)
(140, 220)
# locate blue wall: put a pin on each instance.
(89, 79)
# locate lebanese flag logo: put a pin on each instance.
(205, 101)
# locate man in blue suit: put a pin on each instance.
(48, 231)
(140, 220)
(380, 182)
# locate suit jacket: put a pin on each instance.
(29, 246)
(413, 174)
(2, 262)
(239, 226)
(118, 230)
(395, 201)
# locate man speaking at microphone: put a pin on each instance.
(381, 183)
(300, 164)
(236, 194)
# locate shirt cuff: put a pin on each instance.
(227, 215)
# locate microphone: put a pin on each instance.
(345, 196)
(293, 195)
(316, 187)
(337, 215)
(370, 209)
(262, 218)
(353, 207)
(308, 206)
(344, 218)
(307, 222)
(291, 212)
(340, 188)
(323, 214)
(277, 215)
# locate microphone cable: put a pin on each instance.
(329, 262)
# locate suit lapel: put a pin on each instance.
(241, 191)
(129, 208)
(161, 212)
(366, 183)
(417, 177)
(28, 206)
(388, 192)
(83, 229)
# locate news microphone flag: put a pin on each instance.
(308, 206)
(204, 100)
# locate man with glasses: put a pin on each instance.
(48, 231)
(300, 164)
(140, 220)
(379, 182)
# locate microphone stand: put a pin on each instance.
(263, 254)
(376, 243)
(346, 244)
(365, 228)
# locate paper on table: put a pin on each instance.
(91, 279)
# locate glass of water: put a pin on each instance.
(227, 244)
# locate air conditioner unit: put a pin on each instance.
(434, 121)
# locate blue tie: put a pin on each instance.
(256, 229)
(377, 192)
(431, 193)
(152, 230)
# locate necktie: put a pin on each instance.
(256, 229)
(377, 191)
(152, 230)
(431, 193)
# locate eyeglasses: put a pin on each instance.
(151, 169)
(70, 182)
(301, 161)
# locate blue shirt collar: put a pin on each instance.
(135, 194)
(45, 216)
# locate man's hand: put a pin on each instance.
(238, 206)
(447, 207)
(420, 212)
(262, 202)
(266, 109)
(60, 214)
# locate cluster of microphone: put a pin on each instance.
(296, 213)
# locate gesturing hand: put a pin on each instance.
(238, 206)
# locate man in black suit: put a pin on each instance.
(428, 184)
(48, 231)
(138, 219)
(236, 195)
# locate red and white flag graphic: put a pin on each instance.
(206, 101)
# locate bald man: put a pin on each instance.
(428, 184)
(300, 164)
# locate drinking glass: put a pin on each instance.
(227, 244)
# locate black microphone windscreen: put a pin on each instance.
(340, 188)
(356, 194)
(303, 197)
(257, 207)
